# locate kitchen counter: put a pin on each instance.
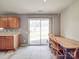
(9, 40)
(9, 33)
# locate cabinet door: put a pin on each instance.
(13, 22)
(9, 42)
(2, 42)
(3, 22)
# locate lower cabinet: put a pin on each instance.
(8, 43)
(1, 42)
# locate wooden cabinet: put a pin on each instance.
(3, 22)
(13, 22)
(8, 42)
(1, 42)
(9, 22)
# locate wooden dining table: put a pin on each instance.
(66, 43)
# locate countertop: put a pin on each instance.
(9, 33)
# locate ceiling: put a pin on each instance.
(33, 6)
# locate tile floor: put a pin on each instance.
(29, 52)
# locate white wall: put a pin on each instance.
(70, 21)
(56, 24)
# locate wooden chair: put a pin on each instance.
(76, 53)
(65, 54)
(60, 54)
(68, 56)
(56, 47)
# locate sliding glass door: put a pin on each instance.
(44, 31)
(38, 31)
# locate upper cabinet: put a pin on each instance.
(13, 22)
(9, 22)
(3, 22)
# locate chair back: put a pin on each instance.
(66, 53)
(76, 53)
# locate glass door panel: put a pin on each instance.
(34, 31)
(44, 31)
